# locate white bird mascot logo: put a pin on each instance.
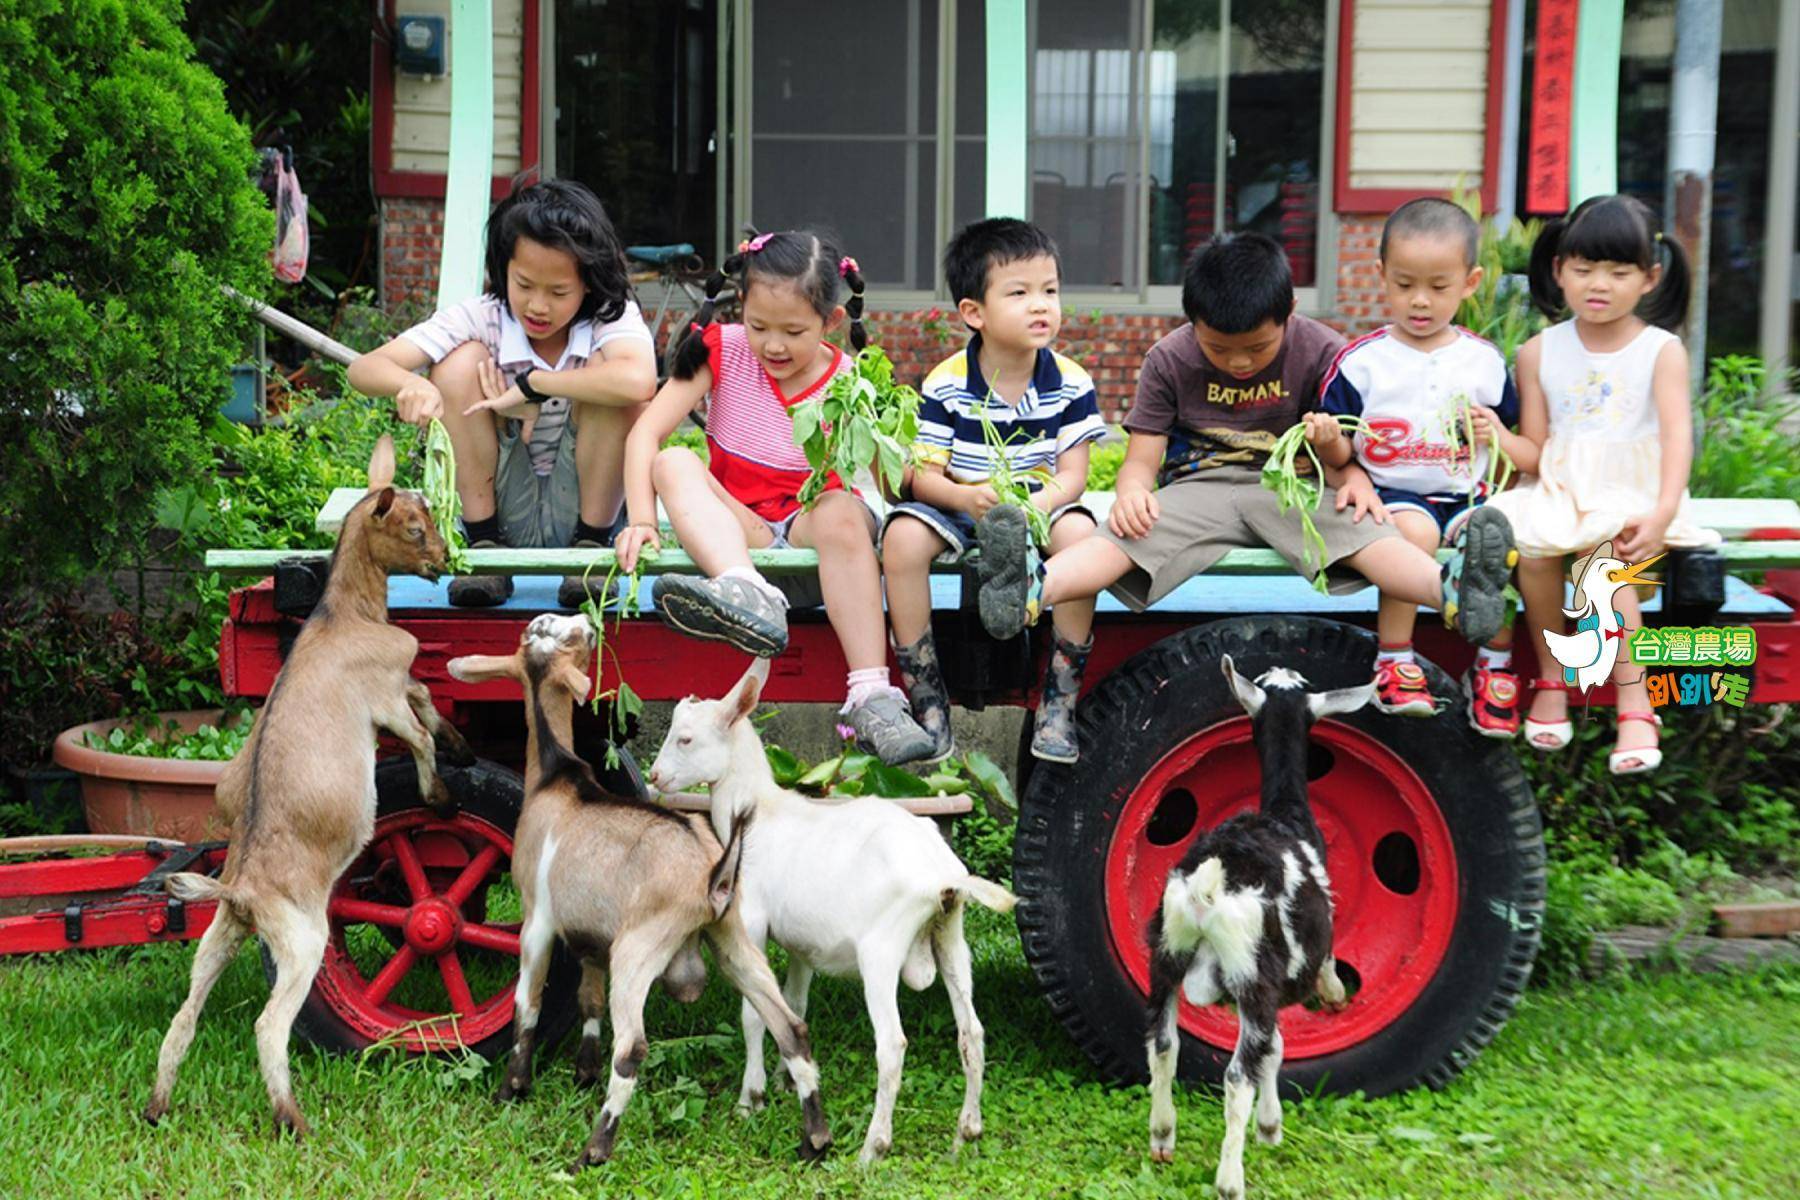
(1587, 655)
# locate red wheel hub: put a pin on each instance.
(1389, 853)
(438, 870)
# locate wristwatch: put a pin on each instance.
(523, 383)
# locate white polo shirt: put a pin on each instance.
(489, 320)
(1408, 396)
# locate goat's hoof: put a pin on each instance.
(874, 1150)
(156, 1110)
(589, 1157)
(440, 800)
(1336, 1006)
(811, 1151)
(1269, 1135)
(587, 1077)
(1162, 1154)
(514, 1089)
(1230, 1187)
(289, 1123)
(968, 1129)
(451, 747)
(751, 1102)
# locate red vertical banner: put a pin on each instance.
(1552, 105)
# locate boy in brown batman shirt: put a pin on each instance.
(1212, 398)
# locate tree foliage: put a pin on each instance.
(125, 200)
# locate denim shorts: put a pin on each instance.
(1450, 512)
(956, 527)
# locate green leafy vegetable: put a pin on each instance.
(1458, 431)
(1294, 490)
(621, 602)
(1014, 487)
(440, 492)
(863, 419)
(146, 737)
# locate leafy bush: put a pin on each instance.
(1104, 459)
(1744, 451)
(1500, 308)
(127, 197)
(145, 738)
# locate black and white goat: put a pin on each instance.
(1246, 917)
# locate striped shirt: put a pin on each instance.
(1409, 396)
(486, 319)
(1057, 413)
(749, 432)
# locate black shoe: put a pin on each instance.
(1011, 572)
(724, 610)
(481, 591)
(572, 592)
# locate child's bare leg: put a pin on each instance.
(716, 530)
(1541, 585)
(1396, 617)
(1083, 571)
(1628, 677)
(473, 439)
(1401, 570)
(600, 431)
(1074, 617)
(907, 548)
(849, 575)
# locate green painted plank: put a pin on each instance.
(471, 149)
(1734, 518)
(1594, 120)
(1008, 110)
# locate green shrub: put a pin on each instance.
(1104, 459)
(1744, 451)
(125, 200)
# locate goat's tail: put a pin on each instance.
(189, 887)
(988, 895)
(721, 884)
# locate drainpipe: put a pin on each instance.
(1693, 134)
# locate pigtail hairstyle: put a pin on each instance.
(1613, 229)
(566, 216)
(807, 261)
(692, 354)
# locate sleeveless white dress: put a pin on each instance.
(1602, 464)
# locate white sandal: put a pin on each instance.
(1649, 757)
(1558, 734)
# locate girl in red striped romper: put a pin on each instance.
(746, 496)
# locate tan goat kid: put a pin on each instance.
(627, 885)
(301, 793)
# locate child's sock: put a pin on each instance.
(1490, 659)
(862, 684)
(485, 530)
(1402, 653)
(754, 578)
(587, 533)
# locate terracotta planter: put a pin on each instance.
(154, 797)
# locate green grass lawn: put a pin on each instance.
(1655, 1086)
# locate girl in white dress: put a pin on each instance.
(1604, 398)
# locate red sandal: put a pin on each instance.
(1557, 733)
(1648, 757)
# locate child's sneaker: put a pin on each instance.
(1475, 578)
(725, 609)
(1401, 690)
(1011, 572)
(1493, 701)
(886, 729)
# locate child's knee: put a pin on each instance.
(840, 521)
(673, 465)
(458, 368)
(1420, 530)
(909, 544)
(1070, 528)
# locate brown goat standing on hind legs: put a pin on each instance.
(301, 794)
(628, 885)
(1246, 916)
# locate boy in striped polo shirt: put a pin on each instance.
(1005, 276)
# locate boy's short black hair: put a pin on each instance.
(1433, 216)
(982, 245)
(563, 215)
(1236, 282)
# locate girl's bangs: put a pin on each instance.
(1609, 232)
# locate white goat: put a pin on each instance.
(628, 885)
(1246, 917)
(848, 887)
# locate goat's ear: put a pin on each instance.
(477, 668)
(384, 503)
(740, 702)
(576, 680)
(1339, 700)
(1248, 694)
(381, 464)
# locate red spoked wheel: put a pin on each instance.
(1433, 845)
(423, 953)
(1389, 854)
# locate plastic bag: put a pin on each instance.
(291, 240)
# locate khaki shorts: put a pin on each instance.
(1213, 511)
(536, 511)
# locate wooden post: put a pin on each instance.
(471, 149)
(1008, 111)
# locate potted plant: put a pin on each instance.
(154, 776)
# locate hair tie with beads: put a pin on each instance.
(846, 265)
(752, 245)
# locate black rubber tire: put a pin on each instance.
(1067, 816)
(494, 793)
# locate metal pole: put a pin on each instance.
(1693, 133)
(1784, 174)
(1221, 134)
(1506, 190)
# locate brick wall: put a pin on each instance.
(412, 235)
(1360, 305)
